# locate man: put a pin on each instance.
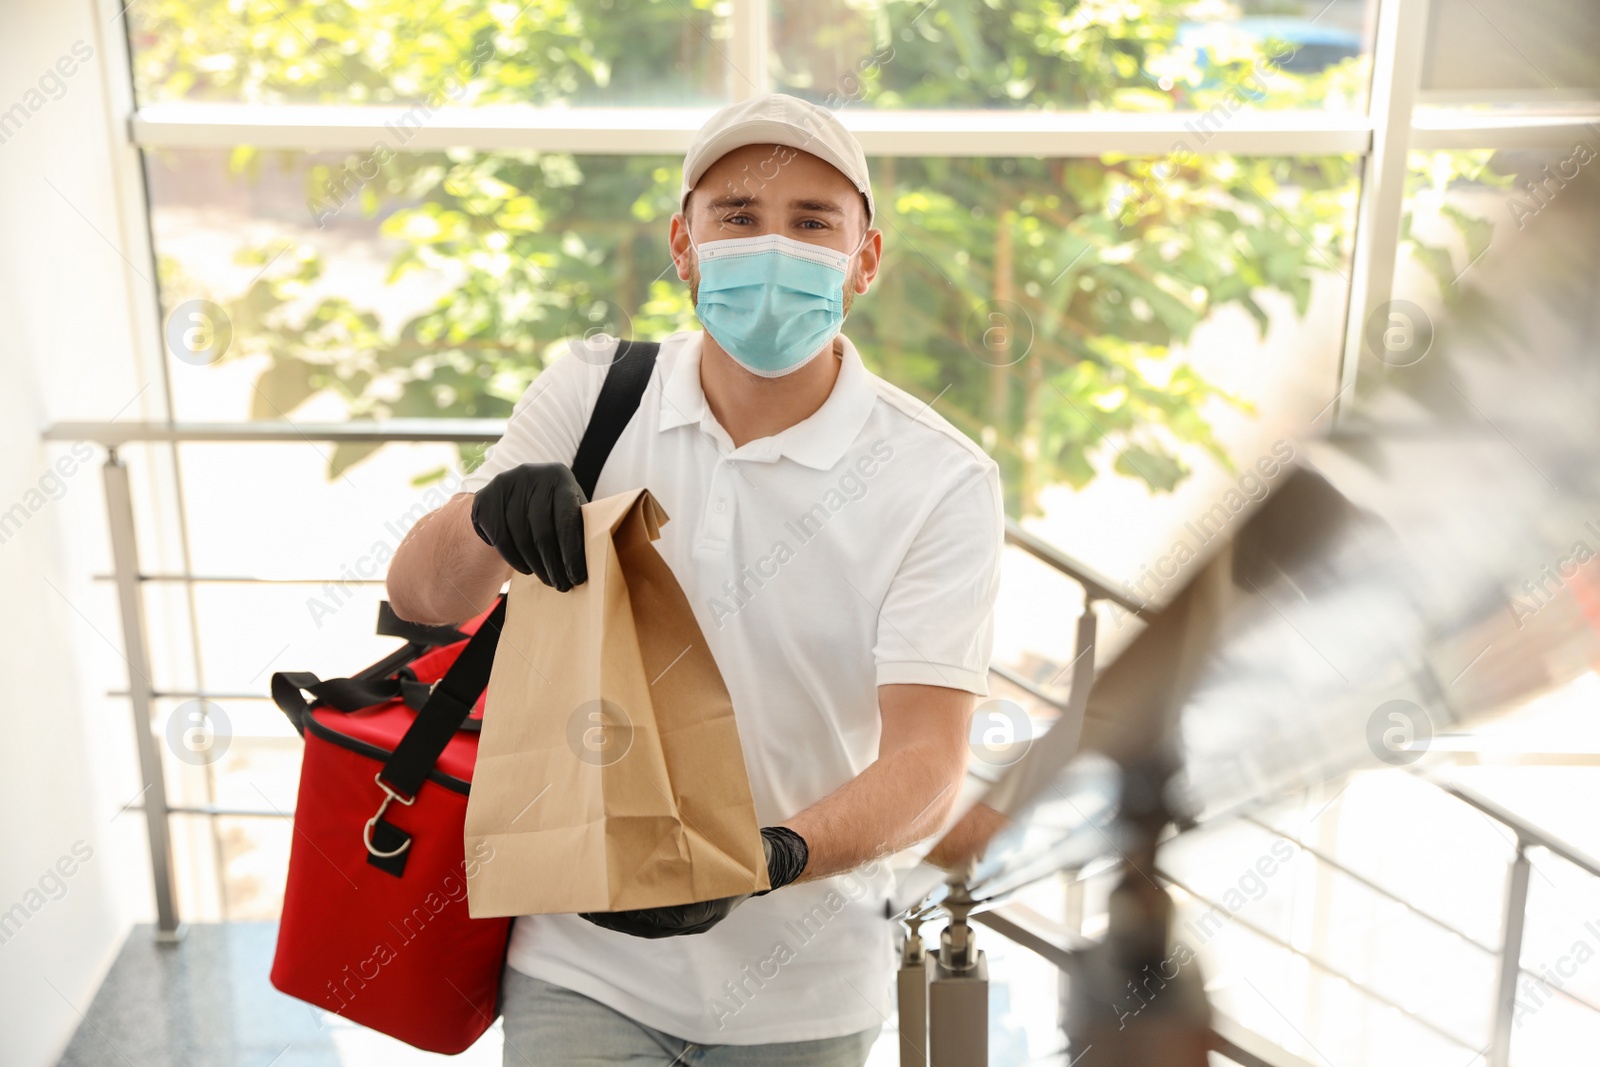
(839, 542)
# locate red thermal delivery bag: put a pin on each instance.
(375, 926)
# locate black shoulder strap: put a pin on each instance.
(619, 399)
(461, 685)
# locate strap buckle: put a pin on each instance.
(389, 796)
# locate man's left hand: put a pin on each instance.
(786, 854)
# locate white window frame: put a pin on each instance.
(1382, 136)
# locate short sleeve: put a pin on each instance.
(936, 626)
(548, 420)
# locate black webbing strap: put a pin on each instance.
(342, 694)
(348, 694)
(383, 681)
(619, 399)
(286, 686)
(392, 625)
(459, 689)
(446, 709)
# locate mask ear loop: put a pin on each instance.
(692, 245)
(863, 242)
(849, 276)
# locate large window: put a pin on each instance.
(1126, 244)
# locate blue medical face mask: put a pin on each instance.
(771, 302)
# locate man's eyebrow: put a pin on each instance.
(825, 207)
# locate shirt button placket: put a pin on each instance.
(720, 507)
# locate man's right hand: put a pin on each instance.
(529, 514)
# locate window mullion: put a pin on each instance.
(1396, 76)
(747, 56)
(668, 131)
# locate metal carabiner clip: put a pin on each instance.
(389, 795)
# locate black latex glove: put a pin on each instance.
(529, 514)
(786, 858)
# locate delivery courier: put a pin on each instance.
(837, 543)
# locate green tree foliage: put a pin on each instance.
(1034, 302)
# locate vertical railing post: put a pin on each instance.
(141, 691)
(1516, 913)
(958, 990)
(911, 984)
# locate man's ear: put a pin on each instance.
(871, 260)
(678, 243)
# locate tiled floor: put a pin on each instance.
(206, 1002)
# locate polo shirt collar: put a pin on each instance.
(818, 441)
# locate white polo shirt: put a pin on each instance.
(855, 549)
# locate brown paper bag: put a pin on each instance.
(609, 772)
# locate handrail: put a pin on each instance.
(1096, 586)
(377, 431)
(1528, 833)
(113, 435)
(1037, 933)
(238, 579)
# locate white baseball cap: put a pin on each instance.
(776, 118)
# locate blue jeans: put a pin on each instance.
(548, 1026)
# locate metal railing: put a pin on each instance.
(1516, 911)
(1061, 945)
(1015, 923)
